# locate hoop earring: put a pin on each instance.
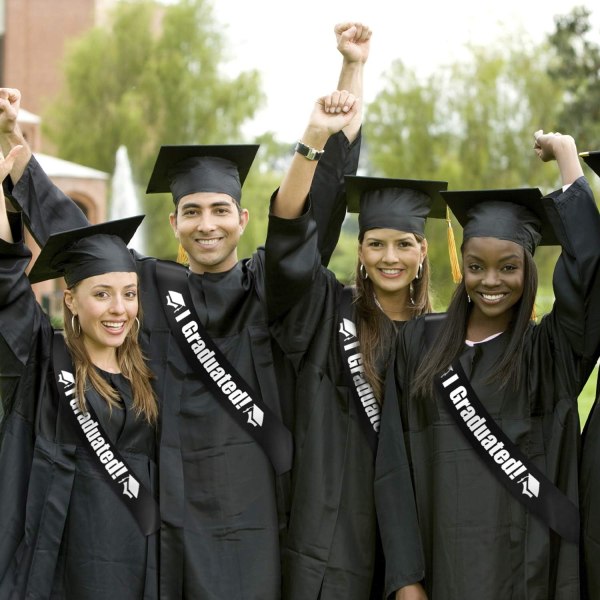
(419, 271)
(363, 272)
(411, 293)
(77, 331)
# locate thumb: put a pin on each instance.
(349, 34)
(11, 156)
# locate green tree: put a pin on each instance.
(470, 123)
(152, 76)
(575, 67)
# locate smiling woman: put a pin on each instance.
(486, 419)
(494, 272)
(78, 429)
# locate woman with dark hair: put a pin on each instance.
(341, 338)
(486, 420)
(78, 514)
(384, 297)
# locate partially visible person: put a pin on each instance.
(78, 478)
(486, 418)
(590, 472)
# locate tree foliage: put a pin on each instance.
(152, 77)
(470, 123)
(575, 67)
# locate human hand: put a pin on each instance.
(10, 102)
(6, 164)
(333, 112)
(548, 145)
(414, 591)
(353, 41)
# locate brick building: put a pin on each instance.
(33, 37)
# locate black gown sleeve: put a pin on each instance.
(24, 330)
(394, 492)
(576, 279)
(46, 209)
(18, 306)
(328, 191)
(292, 261)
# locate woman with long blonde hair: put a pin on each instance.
(78, 482)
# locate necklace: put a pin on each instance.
(385, 312)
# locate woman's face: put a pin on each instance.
(494, 275)
(391, 258)
(106, 306)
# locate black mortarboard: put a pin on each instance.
(518, 215)
(87, 251)
(402, 204)
(184, 170)
(592, 160)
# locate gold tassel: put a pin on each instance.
(182, 257)
(454, 265)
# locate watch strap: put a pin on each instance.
(308, 152)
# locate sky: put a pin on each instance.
(292, 43)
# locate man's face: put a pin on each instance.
(208, 225)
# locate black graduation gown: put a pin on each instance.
(477, 541)
(590, 502)
(222, 508)
(331, 547)
(65, 533)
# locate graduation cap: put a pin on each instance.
(517, 215)
(87, 251)
(402, 204)
(592, 160)
(184, 170)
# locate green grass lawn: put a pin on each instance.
(586, 398)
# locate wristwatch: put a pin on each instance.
(308, 152)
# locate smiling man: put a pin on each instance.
(206, 185)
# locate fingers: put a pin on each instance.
(339, 28)
(338, 102)
(11, 94)
(363, 33)
(6, 164)
(352, 31)
(546, 144)
(10, 99)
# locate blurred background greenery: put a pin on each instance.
(470, 122)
